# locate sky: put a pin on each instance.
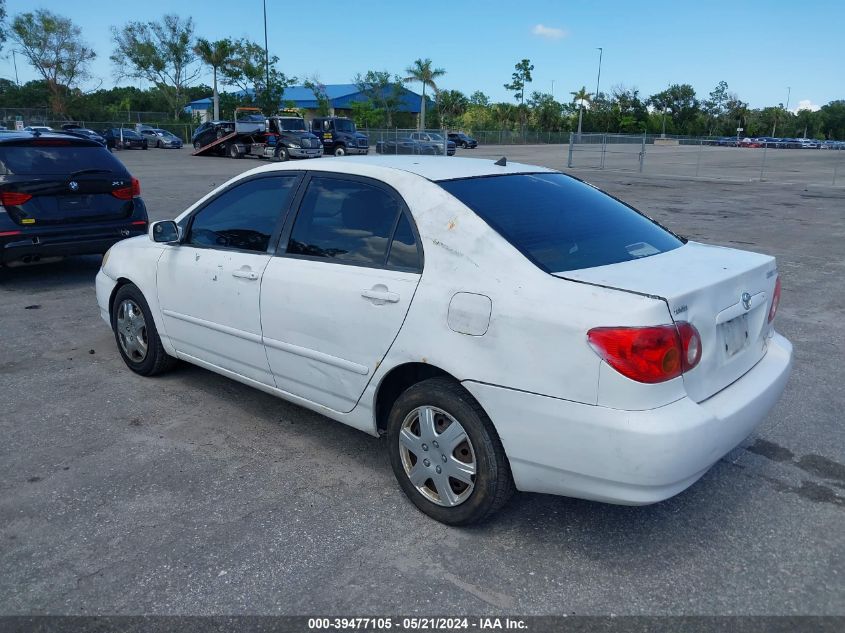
(765, 50)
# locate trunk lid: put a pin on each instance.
(63, 200)
(725, 293)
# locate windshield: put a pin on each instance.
(293, 124)
(344, 125)
(561, 223)
(435, 137)
(58, 159)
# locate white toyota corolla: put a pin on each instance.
(506, 326)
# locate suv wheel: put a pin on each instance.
(446, 454)
(340, 150)
(136, 334)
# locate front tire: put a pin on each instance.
(340, 150)
(136, 335)
(446, 454)
(282, 154)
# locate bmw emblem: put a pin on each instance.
(73, 185)
(746, 300)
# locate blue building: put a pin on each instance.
(341, 97)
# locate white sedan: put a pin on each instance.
(506, 326)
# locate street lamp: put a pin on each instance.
(266, 57)
(598, 78)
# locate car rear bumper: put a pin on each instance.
(38, 244)
(629, 457)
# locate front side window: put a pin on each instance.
(243, 217)
(561, 223)
(345, 220)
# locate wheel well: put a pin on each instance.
(121, 281)
(398, 380)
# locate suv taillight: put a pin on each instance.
(13, 198)
(775, 301)
(127, 193)
(648, 354)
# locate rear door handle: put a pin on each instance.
(245, 274)
(380, 295)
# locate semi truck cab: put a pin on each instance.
(339, 136)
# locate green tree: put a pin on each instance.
(680, 101)
(451, 105)
(519, 79)
(319, 90)
(579, 97)
(216, 55)
(383, 91)
(545, 112)
(161, 52)
(3, 33)
(247, 72)
(478, 98)
(715, 106)
(422, 72)
(53, 45)
(832, 118)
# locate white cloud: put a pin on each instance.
(548, 32)
(805, 104)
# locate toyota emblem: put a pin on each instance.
(746, 300)
(73, 185)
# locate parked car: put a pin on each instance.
(209, 131)
(161, 138)
(124, 138)
(84, 132)
(462, 140)
(750, 142)
(540, 350)
(434, 139)
(809, 143)
(407, 145)
(63, 195)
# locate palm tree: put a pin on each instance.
(215, 54)
(422, 72)
(580, 97)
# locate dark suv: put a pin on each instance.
(63, 195)
(462, 140)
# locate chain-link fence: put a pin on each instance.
(706, 157)
(394, 141)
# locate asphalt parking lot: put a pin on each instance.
(193, 494)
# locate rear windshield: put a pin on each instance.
(561, 223)
(56, 159)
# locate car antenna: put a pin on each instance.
(502, 162)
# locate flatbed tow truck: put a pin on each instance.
(278, 137)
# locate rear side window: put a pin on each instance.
(561, 223)
(350, 222)
(38, 160)
(243, 217)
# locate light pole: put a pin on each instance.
(15, 62)
(786, 108)
(553, 88)
(266, 57)
(598, 78)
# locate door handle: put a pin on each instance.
(380, 295)
(245, 274)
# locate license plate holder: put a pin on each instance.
(735, 335)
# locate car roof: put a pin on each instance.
(12, 137)
(434, 168)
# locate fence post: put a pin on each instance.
(763, 162)
(698, 163)
(571, 142)
(642, 153)
(836, 164)
(603, 149)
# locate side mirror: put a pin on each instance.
(165, 231)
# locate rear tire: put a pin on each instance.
(422, 446)
(136, 335)
(197, 145)
(233, 151)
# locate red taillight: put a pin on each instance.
(139, 223)
(775, 301)
(13, 198)
(648, 354)
(127, 193)
(9, 233)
